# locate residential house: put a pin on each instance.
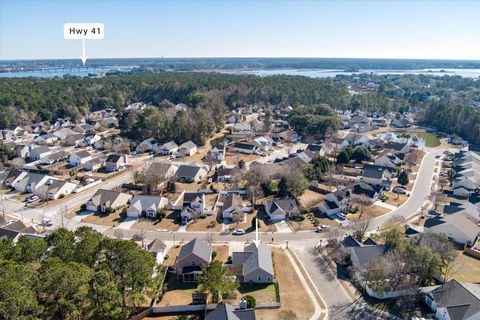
(104, 199)
(162, 170)
(37, 153)
(54, 157)
(84, 129)
(80, 157)
(265, 142)
(364, 256)
(14, 230)
(355, 139)
(250, 147)
(376, 175)
(191, 173)
(459, 223)
(242, 129)
(281, 209)
(186, 149)
(55, 189)
(231, 204)
(366, 191)
(9, 178)
(63, 133)
(254, 264)
(191, 257)
(316, 149)
(93, 140)
(227, 312)
(193, 205)
(76, 139)
(30, 182)
(389, 160)
(336, 202)
(147, 206)
(115, 162)
(46, 139)
(21, 150)
(225, 174)
(94, 164)
(146, 145)
(158, 249)
(167, 148)
(397, 148)
(454, 300)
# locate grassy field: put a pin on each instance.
(467, 268)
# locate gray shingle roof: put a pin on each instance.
(196, 247)
(260, 258)
(156, 246)
(228, 312)
(461, 300)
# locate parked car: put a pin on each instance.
(47, 222)
(444, 173)
(238, 232)
(399, 190)
(434, 212)
(321, 228)
(32, 198)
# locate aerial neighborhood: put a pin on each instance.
(249, 218)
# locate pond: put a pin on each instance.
(424, 139)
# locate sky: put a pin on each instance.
(135, 29)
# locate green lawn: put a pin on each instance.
(263, 293)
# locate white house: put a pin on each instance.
(281, 209)
(191, 173)
(336, 202)
(30, 182)
(80, 157)
(231, 204)
(116, 162)
(146, 145)
(167, 148)
(37, 153)
(186, 149)
(146, 206)
(54, 189)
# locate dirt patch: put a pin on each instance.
(264, 225)
(395, 199)
(205, 224)
(372, 211)
(187, 186)
(234, 158)
(222, 252)
(292, 293)
(303, 225)
(172, 256)
(110, 220)
(467, 268)
(310, 198)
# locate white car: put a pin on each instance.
(47, 222)
(238, 232)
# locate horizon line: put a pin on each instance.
(253, 57)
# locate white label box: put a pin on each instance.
(83, 31)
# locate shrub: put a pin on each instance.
(202, 217)
(298, 218)
(61, 196)
(251, 301)
(214, 255)
(109, 210)
(83, 207)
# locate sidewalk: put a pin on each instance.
(385, 205)
(127, 223)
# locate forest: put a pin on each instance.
(74, 275)
(448, 103)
